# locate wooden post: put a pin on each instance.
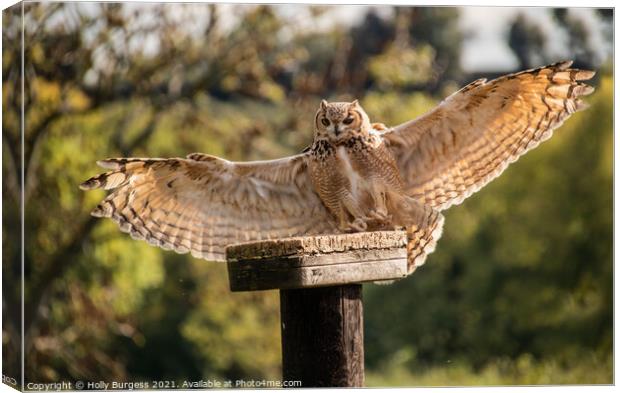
(323, 336)
(321, 308)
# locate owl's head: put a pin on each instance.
(339, 121)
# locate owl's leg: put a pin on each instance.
(350, 207)
(380, 210)
(343, 220)
(357, 225)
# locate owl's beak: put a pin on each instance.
(336, 131)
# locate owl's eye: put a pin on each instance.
(325, 121)
(348, 120)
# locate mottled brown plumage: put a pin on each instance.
(356, 176)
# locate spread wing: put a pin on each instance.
(472, 136)
(203, 203)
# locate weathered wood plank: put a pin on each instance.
(316, 276)
(323, 244)
(323, 336)
(309, 262)
(317, 260)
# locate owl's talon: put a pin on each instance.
(358, 225)
(380, 215)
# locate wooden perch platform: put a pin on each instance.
(321, 309)
(306, 262)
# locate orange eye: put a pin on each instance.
(325, 121)
(348, 120)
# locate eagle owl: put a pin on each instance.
(356, 175)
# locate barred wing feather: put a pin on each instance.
(203, 203)
(472, 136)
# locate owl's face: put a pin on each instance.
(339, 121)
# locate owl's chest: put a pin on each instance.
(357, 168)
(348, 165)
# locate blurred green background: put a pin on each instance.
(519, 290)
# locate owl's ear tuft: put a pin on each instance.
(355, 103)
(323, 104)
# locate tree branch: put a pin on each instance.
(13, 182)
(62, 258)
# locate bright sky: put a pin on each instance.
(487, 49)
(486, 28)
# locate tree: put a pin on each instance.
(579, 40)
(527, 41)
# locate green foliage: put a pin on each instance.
(238, 334)
(524, 370)
(519, 290)
(400, 67)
